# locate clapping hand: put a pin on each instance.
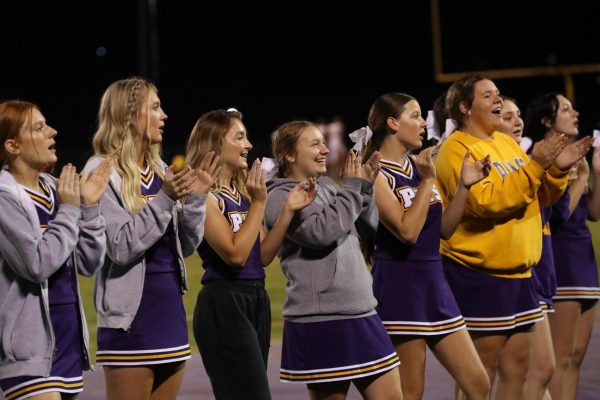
(93, 185)
(473, 172)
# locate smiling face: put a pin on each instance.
(35, 145)
(152, 119)
(410, 126)
(567, 118)
(309, 159)
(511, 122)
(236, 147)
(485, 113)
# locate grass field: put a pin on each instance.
(275, 286)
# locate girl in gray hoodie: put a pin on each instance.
(50, 230)
(142, 329)
(332, 335)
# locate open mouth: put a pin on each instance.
(52, 147)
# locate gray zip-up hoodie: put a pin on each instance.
(118, 285)
(321, 258)
(28, 257)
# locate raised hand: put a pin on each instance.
(180, 184)
(573, 152)
(473, 172)
(545, 151)
(67, 187)
(352, 167)
(424, 163)
(255, 183)
(370, 169)
(301, 195)
(92, 186)
(206, 174)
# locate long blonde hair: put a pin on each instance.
(121, 105)
(207, 135)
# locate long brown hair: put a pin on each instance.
(207, 135)
(385, 106)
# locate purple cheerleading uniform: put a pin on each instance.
(413, 295)
(66, 375)
(544, 274)
(234, 208)
(575, 262)
(158, 333)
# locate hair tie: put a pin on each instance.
(451, 126)
(269, 165)
(433, 130)
(526, 143)
(596, 138)
(360, 138)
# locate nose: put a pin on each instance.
(53, 132)
(324, 149)
(164, 115)
(248, 145)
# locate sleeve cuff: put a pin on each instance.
(556, 172)
(353, 183)
(90, 212)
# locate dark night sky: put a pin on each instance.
(277, 61)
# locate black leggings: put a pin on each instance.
(232, 327)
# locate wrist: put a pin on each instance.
(463, 185)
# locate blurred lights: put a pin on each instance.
(101, 51)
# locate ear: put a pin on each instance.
(392, 123)
(290, 159)
(12, 147)
(546, 122)
(464, 108)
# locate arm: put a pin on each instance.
(299, 197)
(553, 186)
(318, 226)
(368, 220)
(29, 256)
(407, 224)
(191, 220)
(91, 245)
(233, 247)
(578, 186)
(193, 213)
(129, 236)
(594, 195)
(470, 174)
(495, 196)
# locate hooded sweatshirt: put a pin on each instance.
(119, 284)
(321, 257)
(29, 256)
